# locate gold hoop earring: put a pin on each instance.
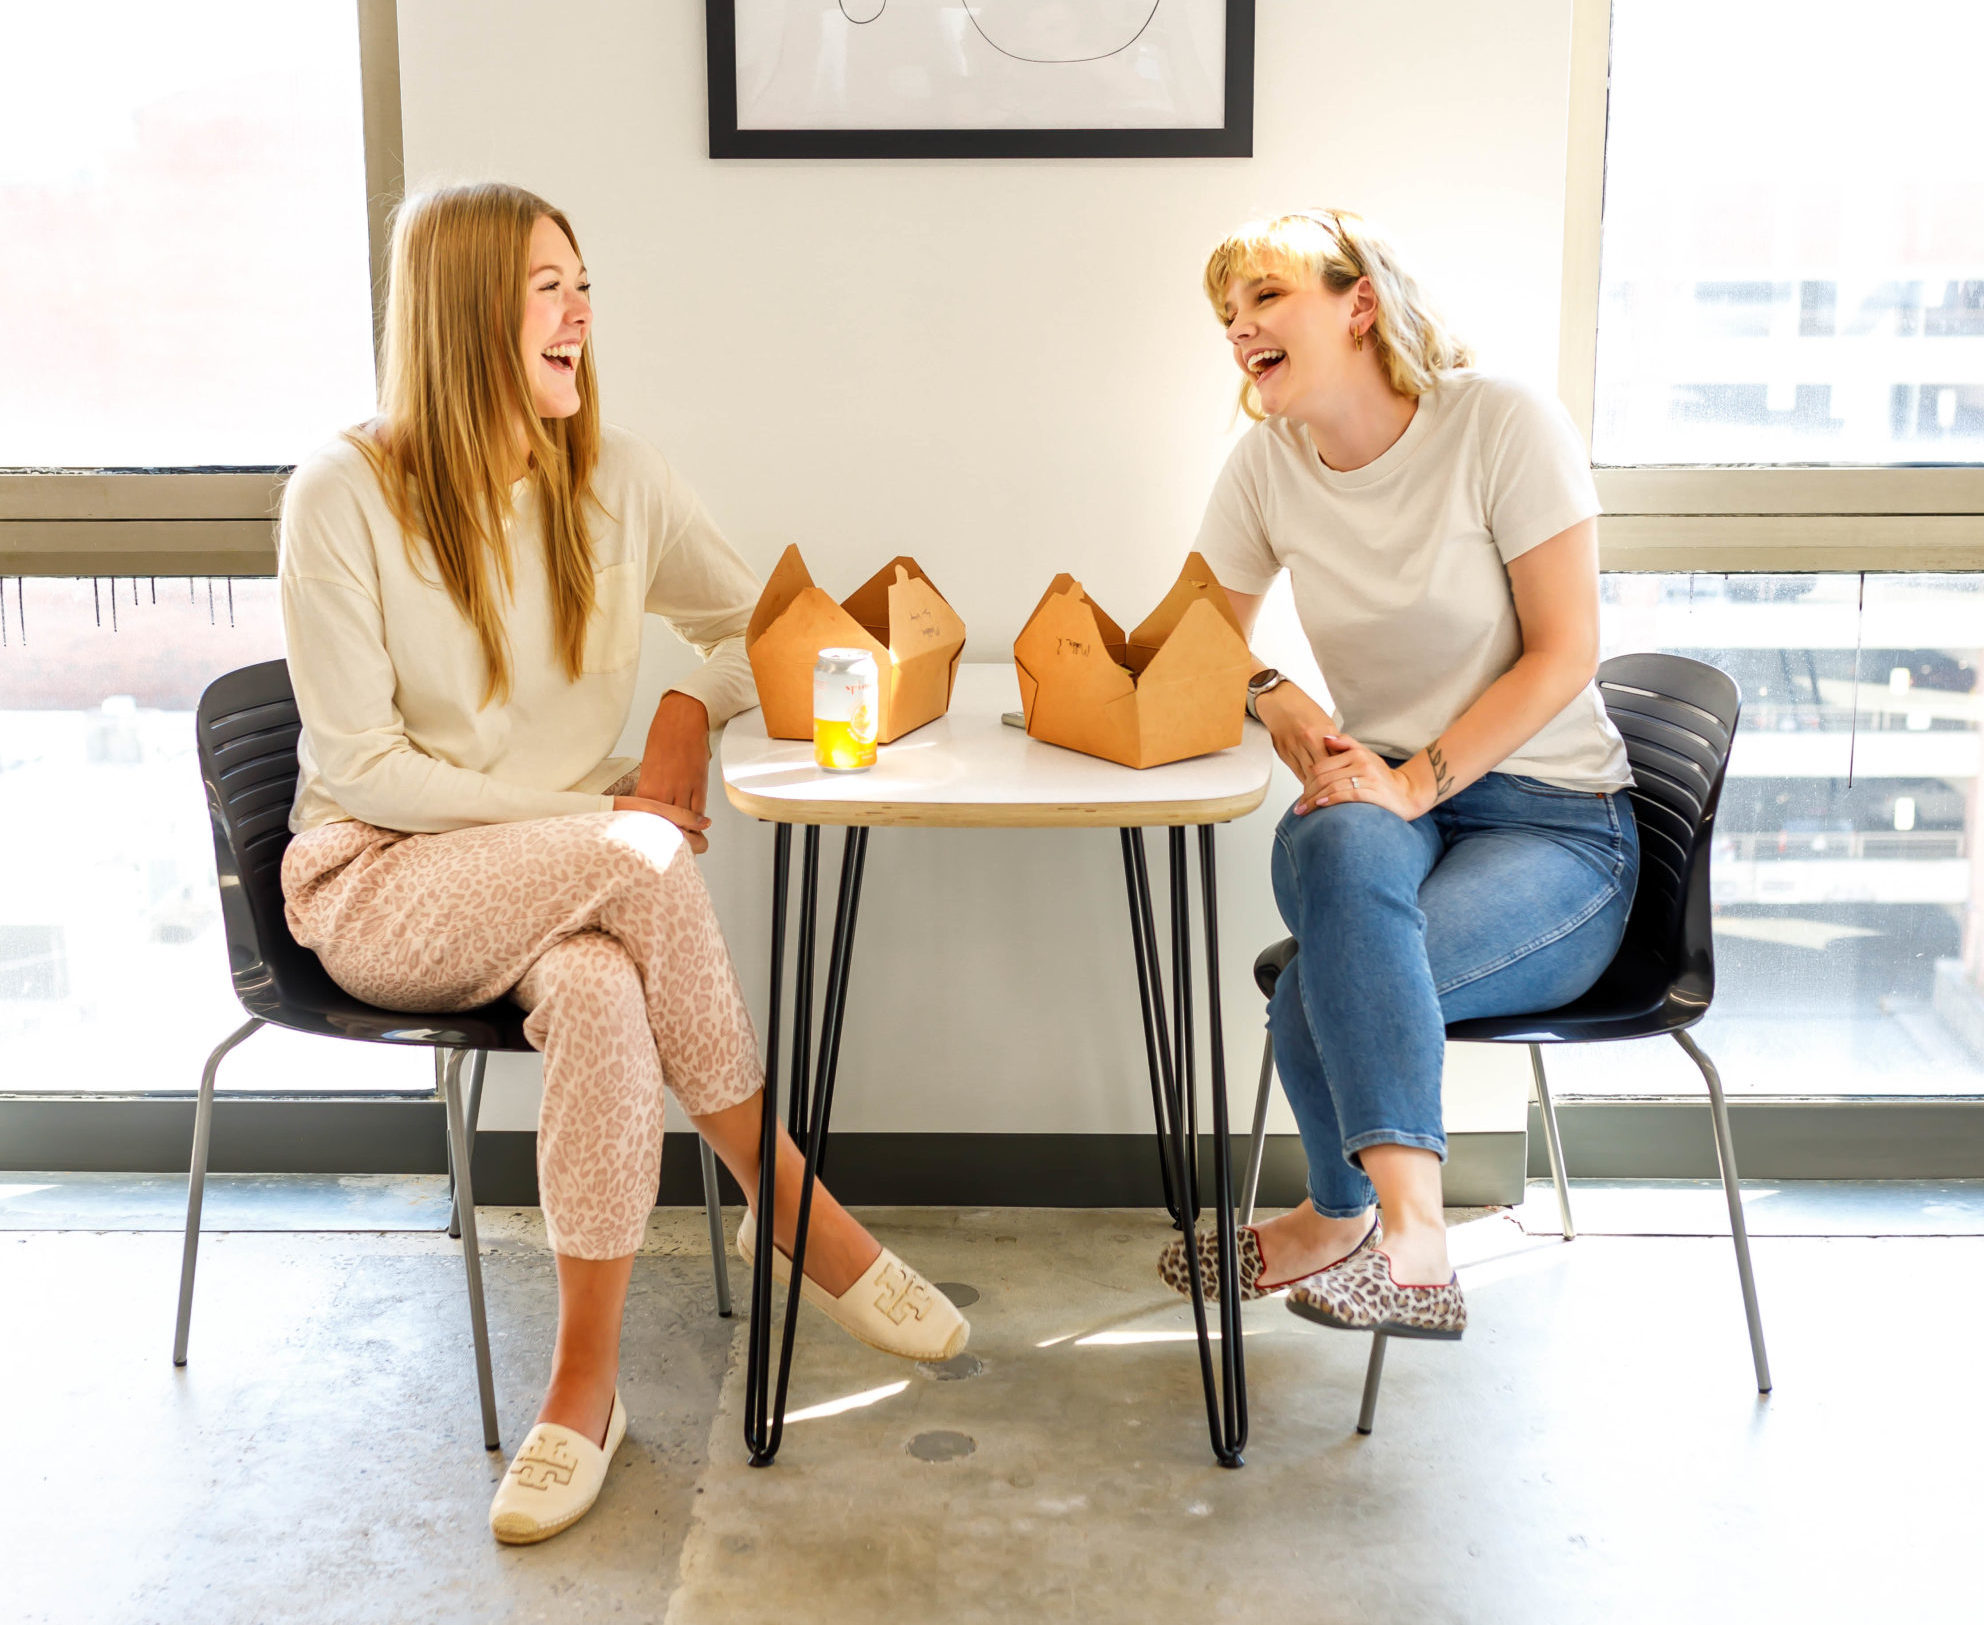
(1356, 339)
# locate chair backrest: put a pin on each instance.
(246, 732)
(1678, 718)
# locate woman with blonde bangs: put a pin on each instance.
(464, 582)
(1462, 845)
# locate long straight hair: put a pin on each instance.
(454, 397)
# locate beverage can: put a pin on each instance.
(847, 694)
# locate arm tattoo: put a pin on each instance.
(1443, 778)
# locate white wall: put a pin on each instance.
(1006, 369)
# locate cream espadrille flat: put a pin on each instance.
(891, 1308)
(553, 1481)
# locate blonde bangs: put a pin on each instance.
(1336, 249)
(1291, 244)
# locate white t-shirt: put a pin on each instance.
(1399, 568)
(389, 674)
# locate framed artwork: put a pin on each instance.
(981, 78)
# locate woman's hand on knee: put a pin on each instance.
(1353, 772)
(691, 824)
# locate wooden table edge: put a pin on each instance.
(997, 815)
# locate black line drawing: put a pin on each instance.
(970, 10)
(935, 81)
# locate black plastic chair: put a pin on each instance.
(1678, 718)
(247, 728)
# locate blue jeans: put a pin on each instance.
(1508, 898)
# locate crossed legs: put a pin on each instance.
(592, 1293)
(600, 927)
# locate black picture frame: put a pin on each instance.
(1235, 139)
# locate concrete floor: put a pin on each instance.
(1593, 1451)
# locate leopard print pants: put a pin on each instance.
(599, 926)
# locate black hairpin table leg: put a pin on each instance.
(1150, 996)
(1226, 1389)
(764, 1407)
(802, 984)
(1229, 1427)
(757, 1343)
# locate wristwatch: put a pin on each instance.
(1257, 685)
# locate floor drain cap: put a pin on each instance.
(941, 1446)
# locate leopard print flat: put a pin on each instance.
(1360, 1296)
(1175, 1272)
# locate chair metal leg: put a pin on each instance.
(1552, 1140)
(485, 1380)
(1373, 1375)
(479, 1064)
(1725, 1156)
(713, 1209)
(447, 1142)
(196, 1183)
(1258, 1143)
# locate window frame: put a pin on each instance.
(222, 522)
(1676, 518)
(201, 522)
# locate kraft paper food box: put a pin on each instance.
(897, 615)
(1176, 687)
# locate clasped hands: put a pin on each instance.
(1332, 766)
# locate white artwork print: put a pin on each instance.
(981, 64)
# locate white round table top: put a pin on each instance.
(969, 770)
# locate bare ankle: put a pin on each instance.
(1323, 1227)
(1303, 1241)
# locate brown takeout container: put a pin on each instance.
(897, 615)
(1176, 687)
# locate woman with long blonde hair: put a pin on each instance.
(1462, 845)
(464, 584)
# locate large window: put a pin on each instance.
(187, 281)
(1773, 312)
(1793, 258)
(192, 199)
(113, 969)
(1847, 872)
(1774, 335)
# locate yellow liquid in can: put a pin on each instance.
(844, 747)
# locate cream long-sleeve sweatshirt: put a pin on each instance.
(389, 675)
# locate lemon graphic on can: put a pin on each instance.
(846, 696)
